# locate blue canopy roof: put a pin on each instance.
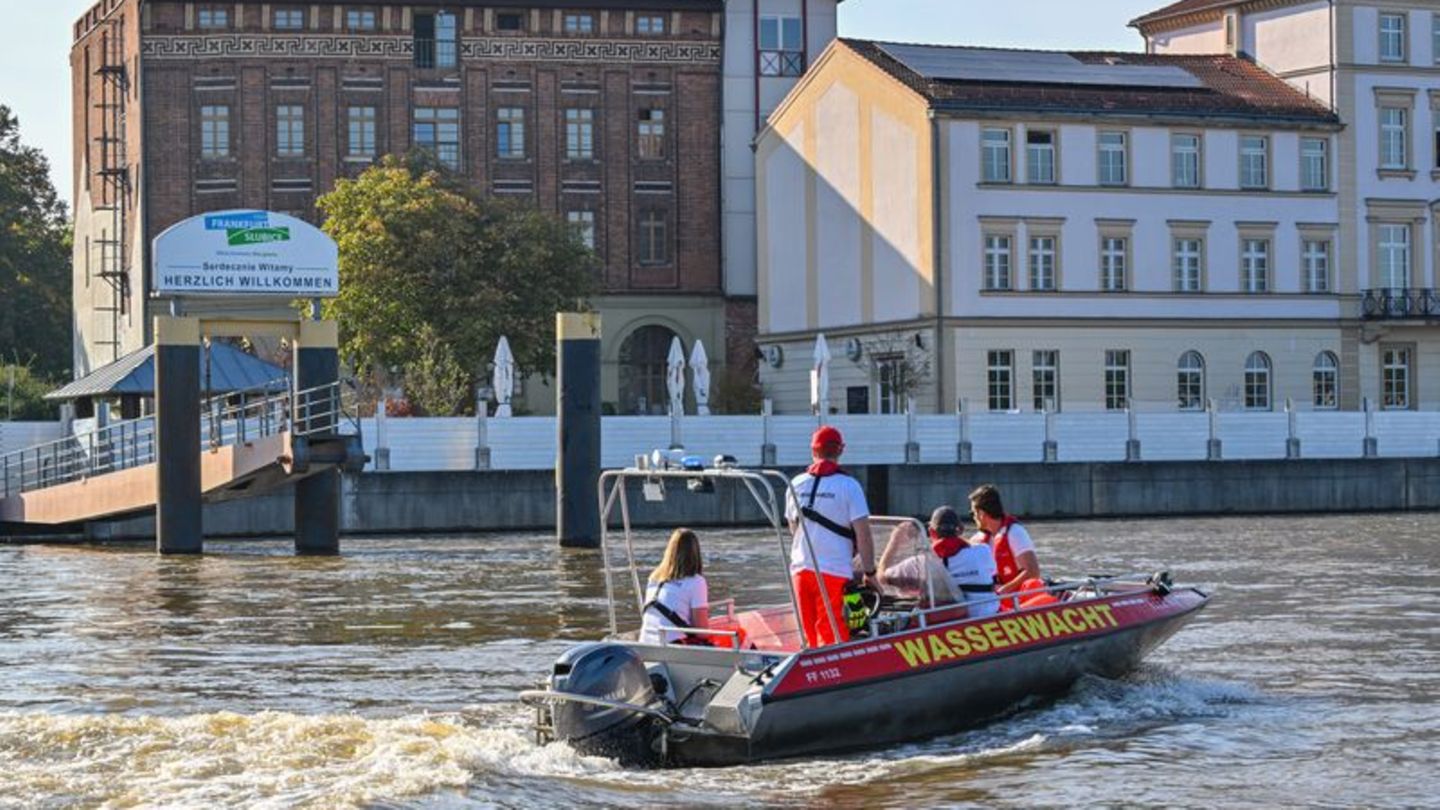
(134, 374)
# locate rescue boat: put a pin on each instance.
(915, 669)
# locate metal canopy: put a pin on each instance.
(1032, 67)
(134, 374)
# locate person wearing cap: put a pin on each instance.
(971, 565)
(830, 521)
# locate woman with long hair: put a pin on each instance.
(677, 598)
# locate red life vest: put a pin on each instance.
(1005, 567)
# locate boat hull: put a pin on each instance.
(826, 704)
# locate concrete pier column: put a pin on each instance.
(577, 425)
(317, 498)
(963, 449)
(178, 521)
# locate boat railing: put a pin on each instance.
(1134, 582)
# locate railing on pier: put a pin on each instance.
(226, 419)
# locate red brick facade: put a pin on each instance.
(607, 61)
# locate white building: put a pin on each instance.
(1378, 64)
(768, 46)
(1028, 229)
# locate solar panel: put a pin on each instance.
(1032, 67)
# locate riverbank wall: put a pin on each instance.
(524, 500)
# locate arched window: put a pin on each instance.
(642, 370)
(1326, 381)
(1257, 382)
(1190, 381)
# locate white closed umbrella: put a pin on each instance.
(675, 376)
(820, 378)
(504, 377)
(700, 373)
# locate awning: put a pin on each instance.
(134, 375)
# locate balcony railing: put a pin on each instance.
(782, 63)
(1400, 302)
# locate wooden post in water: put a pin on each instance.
(577, 424)
(179, 527)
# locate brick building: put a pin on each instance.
(606, 112)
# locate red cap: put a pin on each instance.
(826, 436)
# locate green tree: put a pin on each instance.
(34, 259)
(22, 395)
(424, 258)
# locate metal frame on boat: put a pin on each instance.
(921, 669)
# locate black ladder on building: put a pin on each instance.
(114, 174)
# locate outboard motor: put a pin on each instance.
(611, 672)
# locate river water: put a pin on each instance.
(386, 678)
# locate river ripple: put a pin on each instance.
(386, 678)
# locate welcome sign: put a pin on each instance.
(245, 253)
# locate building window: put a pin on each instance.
(288, 19)
(510, 132)
(1394, 250)
(1187, 264)
(1112, 159)
(1394, 378)
(891, 383)
(1042, 263)
(1185, 160)
(1315, 255)
(361, 125)
(435, 45)
(214, 131)
(654, 245)
(1045, 376)
(782, 53)
(1113, 250)
(1257, 382)
(1117, 379)
(1393, 131)
(1254, 265)
(649, 24)
(213, 17)
(583, 223)
(1435, 36)
(1040, 156)
(1000, 380)
(509, 21)
(360, 19)
(1254, 161)
(997, 262)
(1325, 382)
(579, 24)
(650, 134)
(579, 134)
(290, 130)
(1314, 165)
(1190, 382)
(1392, 37)
(995, 155)
(437, 130)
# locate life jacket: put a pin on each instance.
(824, 469)
(947, 547)
(1005, 567)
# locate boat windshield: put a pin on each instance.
(909, 572)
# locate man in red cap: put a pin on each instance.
(831, 526)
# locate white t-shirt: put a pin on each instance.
(839, 498)
(683, 596)
(975, 566)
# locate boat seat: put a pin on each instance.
(771, 629)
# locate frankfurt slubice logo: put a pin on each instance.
(250, 228)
